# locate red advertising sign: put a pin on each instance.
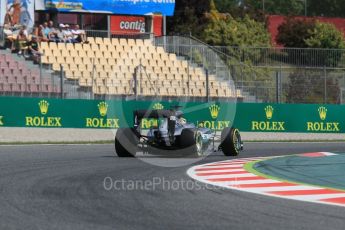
(157, 25)
(127, 25)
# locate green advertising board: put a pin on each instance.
(112, 114)
(301, 118)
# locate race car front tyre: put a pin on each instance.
(231, 143)
(126, 142)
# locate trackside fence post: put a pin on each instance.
(109, 28)
(280, 84)
(61, 82)
(242, 83)
(277, 87)
(207, 87)
(93, 79)
(325, 84)
(40, 64)
(135, 78)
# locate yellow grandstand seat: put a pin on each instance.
(45, 59)
(123, 42)
(44, 45)
(147, 42)
(60, 60)
(78, 46)
(98, 54)
(78, 60)
(69, 59)
(107, 41)
(69, 74)
(103, 48)
(112, 62)
(74, 53)
(53, 46)
(91, 40)
(69, 46)
(94, 47)
(107, 54)
(115, 41)
(131, 42)
(56, 52)
(99, 40)
(61, 46)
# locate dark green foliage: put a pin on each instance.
(227, 6)
(301, 33)
(326, 8)
(325, 35)
(294, 32)
(281, 7)
(188, 17)
(189, 14)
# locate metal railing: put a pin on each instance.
(118, 34)
(143, 85)
(301, 57)
(271, 85)
(282, 75)
(199, 54)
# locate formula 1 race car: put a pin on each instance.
(171, 134)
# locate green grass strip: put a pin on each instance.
(250, 168)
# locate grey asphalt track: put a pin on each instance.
(62, 187)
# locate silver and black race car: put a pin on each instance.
(172, 135)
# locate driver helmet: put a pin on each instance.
(182, 121)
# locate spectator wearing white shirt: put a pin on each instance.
(79, 35)
(68, 35)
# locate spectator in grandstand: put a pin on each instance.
(9, 36)
(21, 42)
(46, 29)
(40, 34)
(79, 35)
(35, 31)
(33, 49)
(56, 35)
(7, 30)
(25, 31)
(51, 25)
(68, 35)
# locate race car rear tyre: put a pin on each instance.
(126, 142)
(231, 143)
(191, 143)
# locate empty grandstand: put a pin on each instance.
(18, 78)
(113, 67)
